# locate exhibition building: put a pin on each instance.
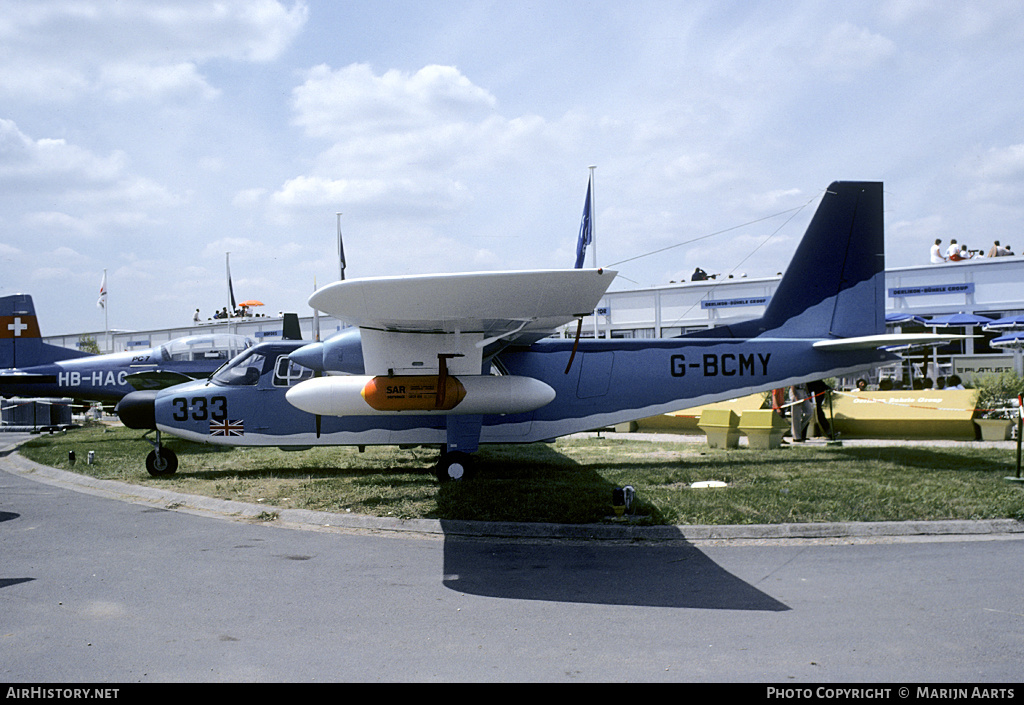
(916, 299)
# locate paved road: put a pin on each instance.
(96, 588)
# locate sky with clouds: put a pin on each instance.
(150, 138)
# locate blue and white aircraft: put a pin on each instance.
(31, 368)
(459, 360)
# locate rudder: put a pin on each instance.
(21, 343)
(834, 287)
(835, 283)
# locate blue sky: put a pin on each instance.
(148, 139)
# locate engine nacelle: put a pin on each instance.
(340, 353)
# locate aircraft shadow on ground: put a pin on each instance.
(667, 574)
(670, 573)
(8, 582)
(676, 575)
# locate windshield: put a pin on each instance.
(244, 370)
(217, 346)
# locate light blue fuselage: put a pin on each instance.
(609, 382)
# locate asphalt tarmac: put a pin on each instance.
(108, 583)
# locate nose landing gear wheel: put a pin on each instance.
(454, 467)
(162, 463)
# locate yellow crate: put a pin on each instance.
(763, 428)
(721, 426)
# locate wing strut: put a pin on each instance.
(442, 377)
(576, 344)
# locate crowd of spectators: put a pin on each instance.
(958, 252)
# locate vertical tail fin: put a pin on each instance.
(291, 327)
(834, 286)
(21, 344)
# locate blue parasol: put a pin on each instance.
(959, 319)
(903, 317)
(1006, 323)
(1009, 340)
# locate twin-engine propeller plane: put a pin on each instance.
(458, 360)
(31, 368)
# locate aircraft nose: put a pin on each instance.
(138, 409)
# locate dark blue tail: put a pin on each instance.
(834, 286)
(21, 344)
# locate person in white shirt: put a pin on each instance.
(953, 249)
(937, 257)
(998, 250)
(961, 255)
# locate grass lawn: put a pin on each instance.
(571, 481)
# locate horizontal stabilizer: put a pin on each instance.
(886, 340)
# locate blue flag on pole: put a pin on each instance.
(585, 232)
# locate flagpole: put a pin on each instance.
(106, 315)
(593, 240)
(593, 220)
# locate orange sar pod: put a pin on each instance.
(414, 393)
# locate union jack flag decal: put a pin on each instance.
(227, 428)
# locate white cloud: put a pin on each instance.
(57, 222)
(248, 198)
(848, 50)
(404, 144)
(60, 190)
(1003, 163)
(123, 82)
(24, 160)
(8, 252)
(135, 50)
(353, 100)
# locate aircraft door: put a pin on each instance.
(595, 374)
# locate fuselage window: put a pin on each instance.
(288, 373)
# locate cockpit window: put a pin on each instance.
(217, 346)
(243, 371)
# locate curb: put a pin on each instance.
(617, 532)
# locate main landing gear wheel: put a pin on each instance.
(162, 463)
(454, 467)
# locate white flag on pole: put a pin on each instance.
(102, 301)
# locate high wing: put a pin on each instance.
(406, 322)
